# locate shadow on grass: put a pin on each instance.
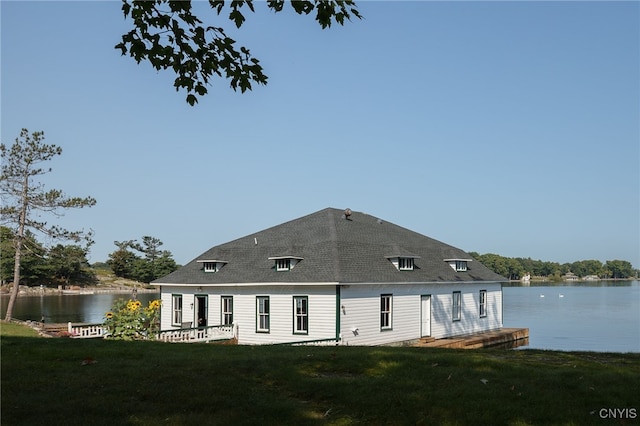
(100, 382)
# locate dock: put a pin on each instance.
(509, 337)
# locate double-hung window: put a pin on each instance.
(300, 315)
(262, 314)
(482, 307)
(385, 311)
(227, 310)
(457, 301)
(176, 309)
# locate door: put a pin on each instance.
(425, 313)
(200, 314)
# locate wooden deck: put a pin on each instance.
(513, 337)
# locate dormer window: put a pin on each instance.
(285, 263)
(210, 266)
(403, 263)
(458, 265)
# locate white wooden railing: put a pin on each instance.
(85, 331)
(192, 335)
(199, 334)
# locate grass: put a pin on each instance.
(100, 382)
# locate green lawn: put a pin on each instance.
(102, 382)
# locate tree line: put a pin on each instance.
(515, 268)
(39, 265)
(68, 265)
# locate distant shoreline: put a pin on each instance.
(26, 291)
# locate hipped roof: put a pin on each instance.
(334, 248)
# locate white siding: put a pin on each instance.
(322, 310)
(360, 311)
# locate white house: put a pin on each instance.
(334, 276)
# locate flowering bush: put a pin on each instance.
(128, 320)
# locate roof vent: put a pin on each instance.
(347, 214)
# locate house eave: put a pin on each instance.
(250, 284)
(328, 283)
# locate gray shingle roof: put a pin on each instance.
(333, 249)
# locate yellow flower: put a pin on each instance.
(154, 304)
(133, 305)
(109, 315)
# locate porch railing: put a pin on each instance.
(198, 334)
(85, 331)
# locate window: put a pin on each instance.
(300, 315)
(262, 308)
(210, 267)
(227, 310)
(483, 303)
(458, 265)
(385, 311)
(283, 264)
(405, 263)
(456, 306)
(176, 309)
(286, 262)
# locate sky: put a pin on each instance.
(496, 127)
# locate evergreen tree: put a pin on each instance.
(23, 197)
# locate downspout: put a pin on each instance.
(338, 303)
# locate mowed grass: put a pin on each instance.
(102, 382)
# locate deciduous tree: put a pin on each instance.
(24, 198)
(169, 35)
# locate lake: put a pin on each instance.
(601, 316)
(87, 308)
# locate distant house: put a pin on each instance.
(570, 276)
(337, 276)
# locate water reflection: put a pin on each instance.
(86, 308)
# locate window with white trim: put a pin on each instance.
(385, 311)
(482, 306)
(405, 263)
(457, 306)
(226, 306)
(300, 315)
(458, 265)
(210, 267)
(283, 264)
(176, 309)
(262, 314)
(461, 265)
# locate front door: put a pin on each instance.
(425, 312)
(200, 314)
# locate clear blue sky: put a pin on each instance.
(502, 127)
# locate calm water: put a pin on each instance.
(87, 308)
(598, 316)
